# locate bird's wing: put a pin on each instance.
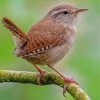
(40, 43)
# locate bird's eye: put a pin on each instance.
(65, 12)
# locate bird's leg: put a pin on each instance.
(41, 73)
(66, 79)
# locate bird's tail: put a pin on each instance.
(17, 32)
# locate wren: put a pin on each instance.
(49, 40)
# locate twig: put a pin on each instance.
(49, 78)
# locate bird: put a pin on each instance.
(49, 40)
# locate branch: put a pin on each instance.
(49, 78)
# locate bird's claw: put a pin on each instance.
(40, 77)
(66, 81)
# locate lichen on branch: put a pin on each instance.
(49, 78)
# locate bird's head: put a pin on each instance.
(65, 14)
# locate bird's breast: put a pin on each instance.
(59, 52)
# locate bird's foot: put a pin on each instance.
(66, 81)
(40, 77)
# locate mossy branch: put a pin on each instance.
(49, 78)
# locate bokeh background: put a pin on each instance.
(83, 63)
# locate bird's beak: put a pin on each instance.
(79, 10)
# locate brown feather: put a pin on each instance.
(43, 39)
(18, 33)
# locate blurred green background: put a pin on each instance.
(83, 63)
